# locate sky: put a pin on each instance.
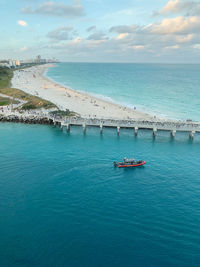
(156, 31)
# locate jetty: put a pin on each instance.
(158, 125)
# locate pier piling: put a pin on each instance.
(101, 128)
(84, 128)
(68, 127)
(136, 131)
(118, 129)
(154, 132)
(173, 132)
(191, 135)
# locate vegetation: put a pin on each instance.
(6, 75)
(5, 101)
(62, 113)
(33, 102)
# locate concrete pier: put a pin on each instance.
(155, 126)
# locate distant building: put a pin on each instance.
(4, 63)
(17, 63)
(40, 60)
(27, 61)
(12, 63)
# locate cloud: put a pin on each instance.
(122, 36)
(184, 38)
(175, 37)
(22, 23)
(92, 28)
(61, 33)
(190, 7)
(143, 46)
(97, 36)
(57, 9)
(196, 46)
(24, 48)
(172, 6)
(138, 47)
(178, 25)
(172, 47)
(124, 28)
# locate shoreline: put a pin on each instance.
(152, 114)
(34, 81)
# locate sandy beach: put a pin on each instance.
(33, 81)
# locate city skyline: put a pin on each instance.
(102, 31)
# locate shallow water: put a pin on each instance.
(172, 90)
(62, 203)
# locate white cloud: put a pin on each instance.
(138, 47)
(172, 47)
(171, 6)
(122, 36)
(196, 46)
(23, 49)
(176, 25)
(57, 9)
(22, 23)
(190, 7)
(184, 38)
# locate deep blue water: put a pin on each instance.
(62, 203)
(172, 90)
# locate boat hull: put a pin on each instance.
(122, 165)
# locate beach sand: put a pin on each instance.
(33, 81)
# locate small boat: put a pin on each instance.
(127, 163)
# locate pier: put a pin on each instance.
(160, 125)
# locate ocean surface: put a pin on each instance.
(62, 203)
(170, 90)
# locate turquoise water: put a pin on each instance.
(62, 203)
(170, 90)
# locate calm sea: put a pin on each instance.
(170, 90)
(62, 203)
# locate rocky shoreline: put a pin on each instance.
(26, 120)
